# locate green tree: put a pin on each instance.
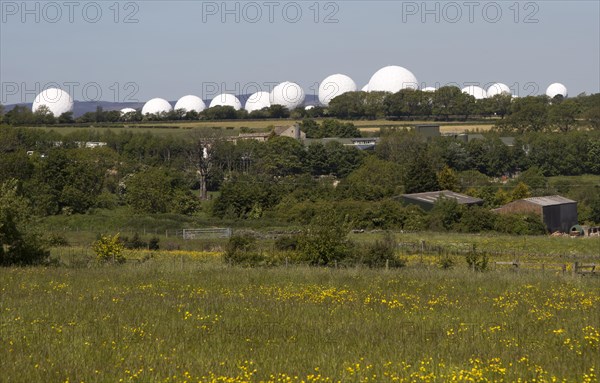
(520, 191)
(20, 244)
(420, 176)
(592, 113)
(149, 191)
(445, 215)
(527, 114)
(533, 178)
(374, 180)
(348, 105)
(407, 103)
(499, 104)
(564, 115)
(447, 179)
(43, 116)
(283, 156)
(220, 113)
(19, 115)
(66, 118)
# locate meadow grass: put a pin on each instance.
(233, 127)
(183, 317)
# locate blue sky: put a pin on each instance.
(137, 50)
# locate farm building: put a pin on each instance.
(558, 213)
(428, 199)
(427, 130)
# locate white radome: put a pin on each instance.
(475, 91)
(498, 88)
(57, 100)
(393, 79)
(157, 106)
(258, 101)
(190, 103)
(128, 110)
(429, 89)
(365, 88)
(556, 89)
(335, 85)
(287, 94)
(309, 107)
(226, 100)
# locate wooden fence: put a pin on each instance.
(577, 268)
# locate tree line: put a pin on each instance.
(525, 114)
(251, 179)
(282, 181)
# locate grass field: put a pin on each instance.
(233, 127)
(179, 318)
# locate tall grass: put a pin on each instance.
(176, 319)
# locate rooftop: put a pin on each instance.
(549, 200)
(432, 197)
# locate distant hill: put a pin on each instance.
(82, 107)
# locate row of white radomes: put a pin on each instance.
(288, 94)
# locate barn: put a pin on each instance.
(558, 213)
(428, 199)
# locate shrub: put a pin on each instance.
(446, 262)
(109, 249)
(477, 219)
(520, 224)
(287, 243)
(153, 243)
(325, 241)
(446, 213)
(57, 240)
(20, 243)
(242, 250)
(476, 261)
(135, 243)
(382, 253)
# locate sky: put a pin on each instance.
(132, 51)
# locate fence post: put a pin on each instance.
(575, 268)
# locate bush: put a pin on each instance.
(382, 253)
(57, 240)
(153, 243)
(446, 262)
(242, 250)
(109, 249)
(135, 243)
(325, 241)
(476, 261)
(520, 224)
(287, 243)
(20, 244)
(445, 215)
(477, 219)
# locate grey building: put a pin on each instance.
(427, 130)
(428, 199)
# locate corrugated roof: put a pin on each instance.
(431, 197)
(549, 200)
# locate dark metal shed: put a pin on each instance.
(557, 212)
